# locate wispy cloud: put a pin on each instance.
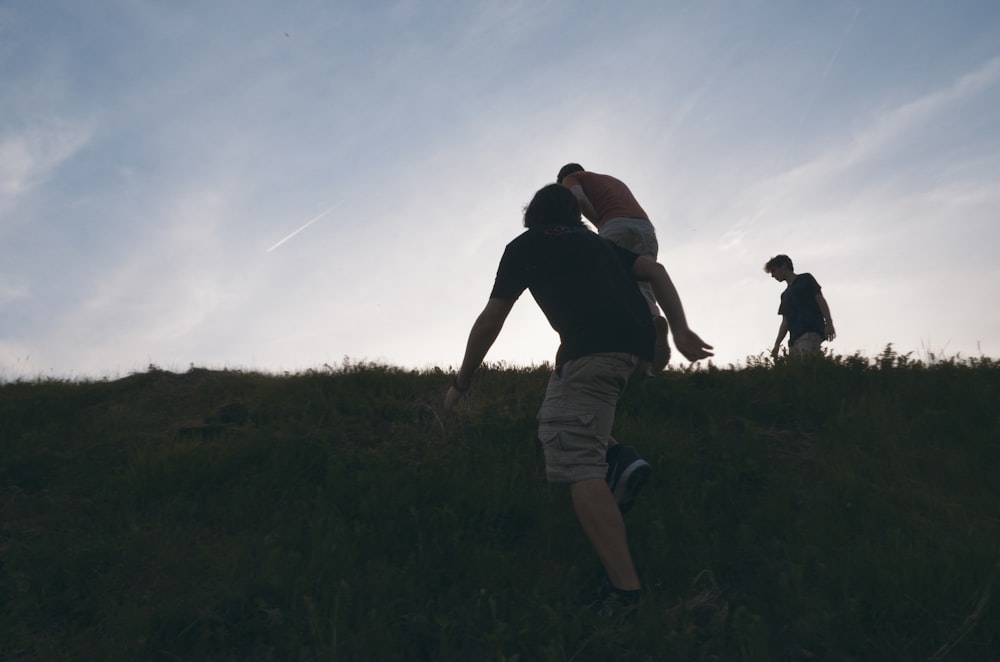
(30, 154)
(155, 154)
(884, 138)
(887, 129)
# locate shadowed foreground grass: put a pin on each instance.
(839, 509)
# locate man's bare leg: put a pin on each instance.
(603, 525)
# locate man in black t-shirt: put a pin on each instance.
(582, 287)
(586, 287)
(805, 315)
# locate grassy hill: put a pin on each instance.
(837, 509)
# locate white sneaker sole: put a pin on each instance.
(631, 482)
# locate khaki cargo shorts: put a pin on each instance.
(575, 420)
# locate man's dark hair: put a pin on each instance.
(568, 169)
(552, 205)
(778, 261)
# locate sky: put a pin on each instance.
(283, 186)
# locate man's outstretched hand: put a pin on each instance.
(691, 346)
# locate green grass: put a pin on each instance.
(836, 509)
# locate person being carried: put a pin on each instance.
(586, 287)
(610, 205)
(805, 315)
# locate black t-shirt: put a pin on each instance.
(584, 286)
(798, 305)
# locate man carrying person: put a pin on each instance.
(610, 205)
(805, 315)
(586, 287)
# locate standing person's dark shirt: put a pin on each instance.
(798, 305)
(585, 288)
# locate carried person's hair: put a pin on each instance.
(552, 205)
(568, 169)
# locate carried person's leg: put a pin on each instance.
(639, 236)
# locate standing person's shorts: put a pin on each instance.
(807, 342)
(575, 420)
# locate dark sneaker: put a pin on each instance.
(627, 473)
(615, 604)
(661, 348)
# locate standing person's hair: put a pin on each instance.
(567, 169)
(778, 261)
(552, 205)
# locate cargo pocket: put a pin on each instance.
(554, 420)
(569, 442)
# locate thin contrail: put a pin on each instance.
(311, 221)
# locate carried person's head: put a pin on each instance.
(568, 169)
(552, 205)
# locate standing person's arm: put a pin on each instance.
(686, 340)
(482, 336)
(782, 330)
(828, 331)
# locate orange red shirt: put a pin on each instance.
(610, 197)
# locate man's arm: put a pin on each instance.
(686, 340)
(824, 308)
(586, 207)
(782, 330)
(482, 336)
